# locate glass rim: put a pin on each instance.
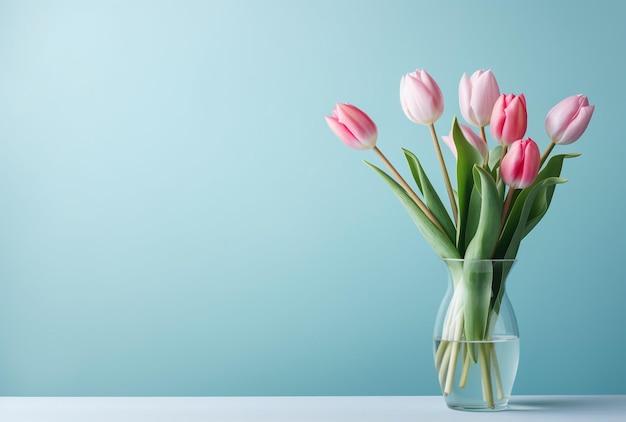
(478, 259)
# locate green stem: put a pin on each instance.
(503, 153)
(484, 136)
(444, 171)
(483, 357)
(408, 190)
(506, 207)
(443, 370)
(546, 153)
(443, 345)
(447, 353)
(466, 367)
(454, 357)
(496, 370)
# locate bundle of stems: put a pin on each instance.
(488, 222)
(500, 196)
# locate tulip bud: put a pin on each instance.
(509, 118)
(477, 95)
(520, 165)
(472, 137)
(567, 120)
(421, 98)
(353, 127)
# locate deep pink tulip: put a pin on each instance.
(520, 165)
(477, 95)
(421, 98)
(509, 118)
(567, 120)
(472, 137)
(353, 127)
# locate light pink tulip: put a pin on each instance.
(472, 137)
(477, 95)
(421, 98)
(567, 120)
(520, 165)
(509, 118)
(353, 127)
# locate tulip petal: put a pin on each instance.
(516, 120)
(511, 167)
(417, 104)
(498, 118)
(435, 94)
(475, 140)
(343, 133)
(420, 97)
(577, 127)
(465, 95)
(447, 139)
(532, 159)
(359, 123)
(509, 118)
(520, 165)
(477, 96)
(485, 92)
(562, 112)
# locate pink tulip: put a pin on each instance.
(509, 118)
(520, 165)
(353, 127)
(567, 120)
(477, 95)
(421, 98)
(472, 137)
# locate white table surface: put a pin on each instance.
(301, 409)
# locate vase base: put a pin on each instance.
(478, 407)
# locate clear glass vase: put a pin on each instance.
(476, 339)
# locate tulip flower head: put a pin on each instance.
(477, 96)
(421, 98)
(567, 120)
(509, 118)
(353, 127)
(472, 137)
(520, 165)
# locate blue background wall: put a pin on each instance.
(177, 219)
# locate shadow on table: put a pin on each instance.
(559, 404)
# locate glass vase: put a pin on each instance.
(476, 339)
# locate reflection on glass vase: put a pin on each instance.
(476, 339)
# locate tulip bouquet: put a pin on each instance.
(501, 194)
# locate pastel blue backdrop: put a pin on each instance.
(177, 219)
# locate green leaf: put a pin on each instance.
(495, 155)
(477, 276)
(442, 245)
(467, 158)
(431, 198)
(542, 202)
(484, 241)
(530, 205)
(515, 226)
(494, 158)
(473, 218)
(501, 270)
